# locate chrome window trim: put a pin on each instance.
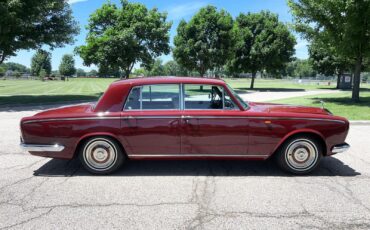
(141, 98)
(223, 107)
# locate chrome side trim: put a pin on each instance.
(340, 148)
(197, 155)
(237, 117)
(263, 118)
(71, 119)
(188, 117)
(42, 148)
(151, 117)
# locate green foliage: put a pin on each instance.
(300, 69)
(156, 69)
(139, 72)
(121, 37)
(42, 74)
(172, 68)
(325, 59)
(92, 73)
(17, 74)
(41, 60)
(2, 71)
(15, 67)
(262, 42)
(67, 65)
(344, 25)
(109, 72)
(31, 24)
(204, 43)
(81, 73)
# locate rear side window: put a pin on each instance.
(154, 97)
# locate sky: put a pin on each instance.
(176, 10)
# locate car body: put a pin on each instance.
(181, 118)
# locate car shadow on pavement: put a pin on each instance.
(329, 166)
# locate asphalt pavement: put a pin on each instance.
(41, 193)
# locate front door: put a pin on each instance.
(212, 124)
(151, 120)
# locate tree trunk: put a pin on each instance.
(252, 81)
(340, 73)
(338, 79)
(356, 80)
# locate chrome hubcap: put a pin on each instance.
(100, 154)
(301, 154)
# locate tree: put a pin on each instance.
(204, 42)
(92, 73)
(326, 61)
(262, 42)
(156, 69)
(80, 73)
(105, 71)
(172, 68)
(2, 71)
(15, 67)
(41, 60)
(301, 68)
(121, 37)
(67, 65)
(42, 74)
(345, 24)
(34, 23)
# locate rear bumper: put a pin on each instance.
(340, 148)
(42, 148)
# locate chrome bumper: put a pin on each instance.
(42, 148)
(340, 148)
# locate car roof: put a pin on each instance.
(164, 80)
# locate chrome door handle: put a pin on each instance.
(186, 119)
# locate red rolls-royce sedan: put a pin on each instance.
(183, 118)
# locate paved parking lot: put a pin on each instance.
(40, 193)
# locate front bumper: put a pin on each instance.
(340, 148)
(42, 148)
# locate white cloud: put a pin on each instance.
(75, 1)
(180, 11)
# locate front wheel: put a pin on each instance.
(101, 155)
(299, 155)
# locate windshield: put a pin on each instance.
(242, 102)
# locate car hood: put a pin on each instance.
(73, 109)
(280, 108)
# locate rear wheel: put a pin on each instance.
(101, 155)
(299, 155)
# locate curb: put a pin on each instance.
(360, 122)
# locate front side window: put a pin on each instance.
(154, 97)
(205, 97)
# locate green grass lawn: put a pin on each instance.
(20, 92)
(277, 85)
(26, 92)
(338, 103)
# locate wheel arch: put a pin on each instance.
(313, 133)
(96, 134)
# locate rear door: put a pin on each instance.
(151, 120)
